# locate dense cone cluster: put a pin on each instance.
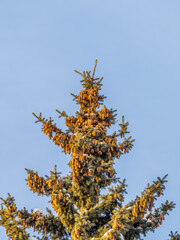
(81, 211)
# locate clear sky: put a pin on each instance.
(137, 44)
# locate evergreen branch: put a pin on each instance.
(62, 114)
(8, 219)
(174, 236)
(126, 145)
(63, 204)
(40, 119)
(137, 217)
(123, 126)
(101, 213)
(94, 68)
(61, 199)
(59, 138)
(37, 184)
(82, 226)
(75, 97)
(44, 186)
(79, 73)
(88, 76)
(46, 224)
(151, 220)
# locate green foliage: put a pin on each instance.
(82, 212)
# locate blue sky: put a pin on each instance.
(137, 44)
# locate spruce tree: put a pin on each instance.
(81, 211)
